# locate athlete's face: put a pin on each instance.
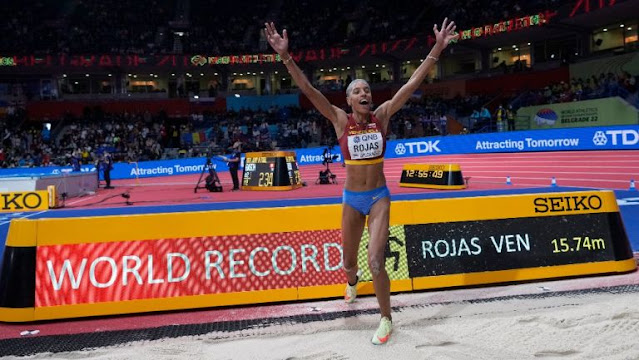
(360, 97)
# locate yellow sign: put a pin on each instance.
(24, 201)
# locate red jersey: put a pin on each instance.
(363, 143)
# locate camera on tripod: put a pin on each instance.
(211, 181)
(326, 176)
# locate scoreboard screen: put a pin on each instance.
(275, 170)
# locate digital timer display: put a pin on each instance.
(275, 170)
(433, 176)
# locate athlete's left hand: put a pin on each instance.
(446, 34)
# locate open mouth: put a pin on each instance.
(363, 102)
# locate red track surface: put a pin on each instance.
(590, 169)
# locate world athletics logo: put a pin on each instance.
(546, 117)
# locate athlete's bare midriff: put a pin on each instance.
(364, 177)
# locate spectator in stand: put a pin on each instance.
(76, 161)
(443, 120)
(510, 116)
(500, 117)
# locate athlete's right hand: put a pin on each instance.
(278, 42)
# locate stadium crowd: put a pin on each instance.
(146, 136)
(215, 27)
(623, 85)
(173, 26)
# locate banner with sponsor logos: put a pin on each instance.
(602, 138)
(625, 137)
(599, 138)
(122, 170)
(599, 112)
(231, 257)
(164, 167)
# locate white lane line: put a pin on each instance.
(24, 217)
(548, 178)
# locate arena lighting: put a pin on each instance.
(196, 96)
(109, 75)
(348, 67)
(135, 76)
(215, 74)
(261, 73)
(383, 66)
(498, 49)
(514, 46)
(605, 30)
(363, 66)
(129, 75)
(552, 56)
(237, 95)
(276, 73)
(64, 75)
(321, 70)
(622, 25)
(528, 44)
(87, 75)
(172, 74)
(628, 28)
(376, 65)
(201, 74)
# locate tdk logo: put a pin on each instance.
(400, 149)
(417, 147)
(600, 138)
(617, 137)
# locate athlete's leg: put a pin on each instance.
(353, 223)
(378, 222)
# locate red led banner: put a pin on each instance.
(119, 271)
(333, 53)
(503, 26)
(585, 5)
